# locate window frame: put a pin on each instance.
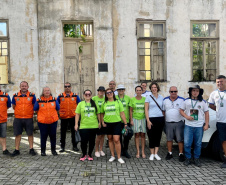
(152, 40)
(7, 39)
(204, 40)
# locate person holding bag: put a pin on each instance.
(88, 125)
(155, 119)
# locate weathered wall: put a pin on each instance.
(23, 42)
(36, 39)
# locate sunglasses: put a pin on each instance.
(121, 89)
(173, 91)
(67, 86)
(111, 84)
(88, 94)
(109, 92)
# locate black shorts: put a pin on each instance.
(114, 128)
(20, 124)
(102, 131)
(221, 128)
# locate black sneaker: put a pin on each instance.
(15, 153)
(75, 148)
(32, 152)
(6, 152)
(168, 156)
(187, 162)
(181, 158)
(54, 152)
(126, 154)
(197, 162)
(224, 164)
(43, 154)
(62, 150)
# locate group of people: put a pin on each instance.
(113, 113)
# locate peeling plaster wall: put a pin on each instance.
(36, 39)
(23, 43)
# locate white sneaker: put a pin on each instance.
(111, 159)
(97, 154)
(102, 153)
(157, 157)
(151, 157)
(121, 161)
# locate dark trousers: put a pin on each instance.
(124, 140)
(88, 137)
(155, 133)
(63, 131)
(45, 131)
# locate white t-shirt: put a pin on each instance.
(216, 100)
(116, 92)
(200, 107)
(172, 109)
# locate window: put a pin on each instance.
(204, 47)
(4, 52)
(151, 39)
(80, 30)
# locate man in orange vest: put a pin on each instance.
(23, 103)
(5, 103)
(68, 102)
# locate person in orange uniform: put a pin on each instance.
(46, 108)
(23, 104)
(5, 103)
(68, 102)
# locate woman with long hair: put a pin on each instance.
(112, 113)
(138, 121)
(89, 124)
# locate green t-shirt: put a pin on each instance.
(98, 100)
(88, 115)
(138, 108)
(125, 102)
(112, 111)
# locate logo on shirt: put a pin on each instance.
(199, 107)
(72, 99)
(52, 104)
(62, 99)
(177, 105)
(42, 105)
(28, 99)
(2, 99)
(17, 99)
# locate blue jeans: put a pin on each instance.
(190, 134)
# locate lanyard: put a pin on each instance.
(121, 100)
(221, 97)
(194, 105)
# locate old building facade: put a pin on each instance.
(91, 42)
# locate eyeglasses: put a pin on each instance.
(67, 86)
(108, 93)
(88, 94)
(111, 84)
(173, 91)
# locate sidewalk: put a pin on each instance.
(67, 169)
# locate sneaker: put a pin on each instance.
(157, 157)
(83, 158)
(15, 153)
(181, 158)
(224, 164)
(121, 161)
(54, 152)
(97, 154)
(32, 152)
(126, 154)
(6, 152)
(89, 158)
(102, 153)
(151, 157)
(43, 154)
(168, 156)
(187, 162)
(75, 148)
(197, 162)
(62, 150)
(111, 159)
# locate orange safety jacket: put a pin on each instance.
(68, 105)
(24, 107)
(47, 112)
(3, 107)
